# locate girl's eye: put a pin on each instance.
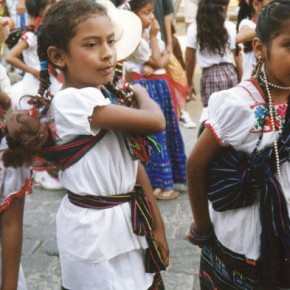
(112, 41)
(91, 44)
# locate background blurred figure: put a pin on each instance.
(190, 10)
(247, 17)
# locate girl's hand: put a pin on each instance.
(162, 245)
(5, 100)
(36, 74)
(199, 239)
(154, 28)
(191, 95)
(146, 70)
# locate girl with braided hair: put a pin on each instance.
(247, 31)
(146, 66)
(110, 233)
(239, 171)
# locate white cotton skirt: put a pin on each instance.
(123, 272)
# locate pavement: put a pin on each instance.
(40, 254)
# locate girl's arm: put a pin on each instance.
(238, 59)
(203, 152)
(20, 7)
(147, 119)
(190, 63)
(168, 32)
(158, 225)
(158, 59)
(13, 58)
(245, 34)
(11, 235)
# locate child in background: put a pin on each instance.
(15, 183)
(176, 71)
(211, 44)
(244, 232)
(27, 46)
(146, 67)
(247, 31)
(97, 246)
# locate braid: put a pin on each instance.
(43, 97)
(44, 73)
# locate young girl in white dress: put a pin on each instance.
(241, 165)
(99, 246)
(15, 183)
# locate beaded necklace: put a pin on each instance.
(263, 78)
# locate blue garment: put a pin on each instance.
(166, 167)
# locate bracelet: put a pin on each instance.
(200, 238)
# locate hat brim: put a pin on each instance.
(127, 27)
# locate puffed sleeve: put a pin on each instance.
(29, 37)
(230, 116)
(191, 36)
(71, 109)
(232, 34)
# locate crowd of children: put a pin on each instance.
(102, 97)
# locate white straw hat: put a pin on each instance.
(127, 27)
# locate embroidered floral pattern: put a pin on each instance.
(262, 116)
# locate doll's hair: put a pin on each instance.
(211, 33)
(34, 7)
(24, 141)
(136, 5)
(58, 28)
(272, 20)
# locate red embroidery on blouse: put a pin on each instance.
(26, 189)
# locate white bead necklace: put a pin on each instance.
(264, 80)
(271, 111)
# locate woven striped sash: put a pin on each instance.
(67, 154)
(236, 180)
(141, 219)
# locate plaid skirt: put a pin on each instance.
(216, 78)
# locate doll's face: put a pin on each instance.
(26, 129)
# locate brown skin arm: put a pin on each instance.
(20, 7)
(245, 34)
(11, 234)
(238, 58)
(168, 32)
(158, 225)
(13, 58)
(203, 152)
(190, 63)
(147, 119)
(158, 59)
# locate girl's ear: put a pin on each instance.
(259, 48)
(56, 56)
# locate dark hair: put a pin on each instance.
(34, 7)
(136, 5)
(272, 20)
(58, 28)
(245, 11)
(211, 33)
